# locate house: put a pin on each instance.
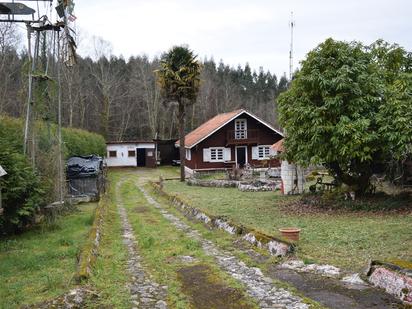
(231, 139)
(131, 153)
(278, 146)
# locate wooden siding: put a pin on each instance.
(219, 139)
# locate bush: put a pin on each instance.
(80, 142)
(335, 200)
(27, 190)
(76, 142)
(22, 193)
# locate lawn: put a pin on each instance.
(347, 239)
(40, 264)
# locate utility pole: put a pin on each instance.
(39, 26)
(291, 25)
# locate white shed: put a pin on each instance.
(131, 153)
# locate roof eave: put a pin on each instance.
(236, 115)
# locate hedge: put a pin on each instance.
(26, 190)
(75, 141)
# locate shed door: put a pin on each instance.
(141, 156)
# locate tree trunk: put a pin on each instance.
(359, 183)
(181, 117)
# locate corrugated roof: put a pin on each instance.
(214, 124)
(130, 142)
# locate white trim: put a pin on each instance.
(263, 158)
(244, 122)
(234, 117)
(216, 149)
(188, 171)
(246, 153)
(188, 154)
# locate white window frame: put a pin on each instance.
(263, 152)
(217, 150)
(188, 154)
(241, 133)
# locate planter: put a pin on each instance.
(290, 233)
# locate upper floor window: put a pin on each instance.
(240, 129)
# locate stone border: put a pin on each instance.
(89, 252)
(274, 246)
(393, 279)
(251, 187)
(242, 185)
(216, 183)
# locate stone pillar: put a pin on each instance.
(292, 178)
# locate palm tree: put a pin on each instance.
(179, 80)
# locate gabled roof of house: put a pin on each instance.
(211, 126)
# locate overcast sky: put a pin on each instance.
(238, 31)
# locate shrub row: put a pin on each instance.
(75, 141)
(26, 190)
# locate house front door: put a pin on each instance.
(241, 156)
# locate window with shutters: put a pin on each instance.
(217, 154)
(240, 129)
(263, 152)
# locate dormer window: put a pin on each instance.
(240, 129)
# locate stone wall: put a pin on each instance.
(212, 183)
(250, 186)
(89, 252)
(274, 246)
(258, 186)
(394, 279)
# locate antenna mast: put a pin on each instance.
(291, 25)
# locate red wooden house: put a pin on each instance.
(230, 139)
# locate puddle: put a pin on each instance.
(333, 293)
(141, 209)
(206, 292)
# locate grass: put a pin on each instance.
(109, 275)
(213, 176)
(226, 242)
(162, 245)
(347, 240)
(40, 264)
